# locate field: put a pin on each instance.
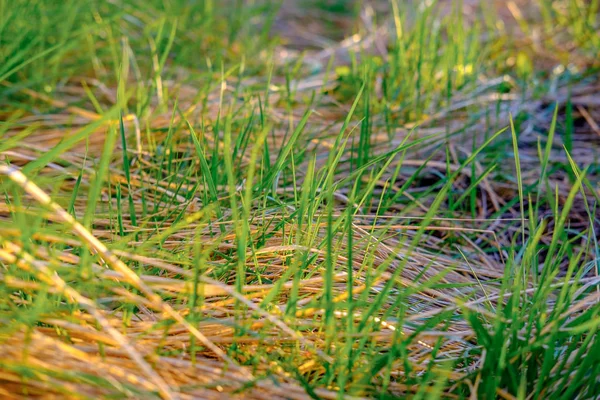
(294, 199)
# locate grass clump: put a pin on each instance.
(297, 200)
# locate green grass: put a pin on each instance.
(233, 198)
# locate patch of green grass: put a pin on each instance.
(409, 213)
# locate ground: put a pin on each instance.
(299, 199)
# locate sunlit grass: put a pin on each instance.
(195, 206)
